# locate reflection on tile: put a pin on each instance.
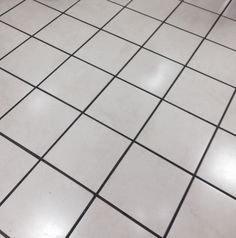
(30, 16)
(216, 61)
(192, 19)
(177, 135)
(88, 152)
(5, 5)
(59, 4)
(202, 214)
(219, 165)
(230, 118)
(147, 188)
(96, 12)
(156, 8)
(107, 52)
(212, 5)
(102, 221)
(231, 10)
(224, 32)
(156, 76)
(9, 39)
(11, 91)
(201, 95)
(55, 204)
(38, 61)
(123, 107)
(132, 26)
(37, 122)
(14, 164)
(76, 82)
(67, 33)
(173, 43)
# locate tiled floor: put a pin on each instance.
(117, 118)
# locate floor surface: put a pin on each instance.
(117, 118)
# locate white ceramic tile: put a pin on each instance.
(37, 121)
(156, 8)
(219, 164)
(88, 152)
(67, 33)
(216, 61)
(224, 32)
(47, 204)
(230, 117)
(212, 5)
(178, 136)
(96, 12)
(151, 72)
(33, 61)
(11, 91)
(231, 10)
(201, 95)
(107, 52)
(102, 221)
(147, 188)
(6, 5)
(133, 26)
(122, 2)
(173, 43)
(59, 4)
(14, 164)
(76, 83)
(30, 16)
(9, 39)
(192, 19)
(123, 107)
(206, 213)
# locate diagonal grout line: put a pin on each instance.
(4, 234)
(11, 8)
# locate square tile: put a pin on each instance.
(30, 16)
(206, 212)
(180, 137)
(9, 39)
(147, 188)
(14, 164)
(67, 33)
(231, 10)
(61, 5)
(37, 121)
(107, 52)
(159, 9)
(53, 208)
(76, 82)
(224, 32)
(212, 5)
(102, 221)
(230, 118)
(5, 5)
(33, 61)
(96, 12)
(216, 61)
(88, 152)
(200, 95)
(192, 19)
(123, 107)
(151, 72)
(11, 91)
(174, 43)
(132, 26)
(219, 164)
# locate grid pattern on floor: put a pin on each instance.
(152, 95)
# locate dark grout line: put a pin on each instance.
(12, 8)
(4, 234)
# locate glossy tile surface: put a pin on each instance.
(147, 188)
(117, 118)
(53, 208)
(192, 19)
(202, 214)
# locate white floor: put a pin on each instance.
(118, 118)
